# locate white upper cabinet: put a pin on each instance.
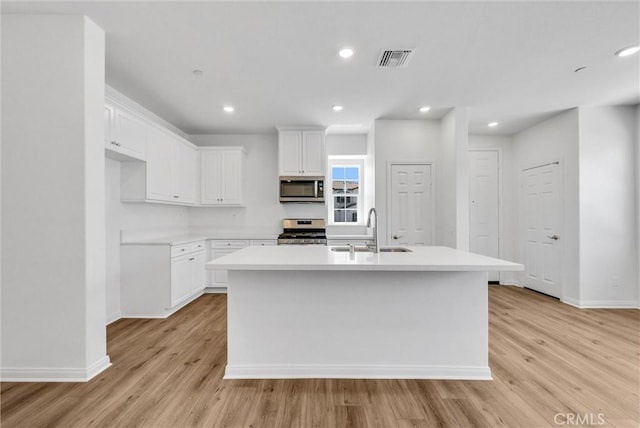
(301, 152)
(290, 152)
(159, 174)
(222, 175)
(125, 133)
(169, 174)
(313, 153)
(184, 172)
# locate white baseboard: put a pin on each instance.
(215, 290)
(511, 283)
(113, 317)
(601, 304)
(55, 374)
(355, 372)
(162, 313)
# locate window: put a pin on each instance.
(345, 203)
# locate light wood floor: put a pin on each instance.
(547, 359)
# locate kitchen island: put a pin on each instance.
(313, 312)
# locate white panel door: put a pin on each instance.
(159, 166)
(541, 220)
(181, 278)
(313, 153)
(198, 272)
(484, 205)
(231, 177)
(130, 134)
(109, 126)
(211, 162)
(290, 152)
(411, 208)
(185, 167)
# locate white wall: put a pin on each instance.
(401, 140)
(555, 139)
(135, 219)
(53, 281)
(503, 145)
(608, 217)
(346, 144)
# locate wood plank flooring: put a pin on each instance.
(553, 365)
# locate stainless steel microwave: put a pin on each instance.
(302, 189)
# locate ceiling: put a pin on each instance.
(277, 62)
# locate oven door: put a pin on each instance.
(301, 189)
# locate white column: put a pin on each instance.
(452, 187)
(53, 229)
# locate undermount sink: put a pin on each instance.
(369, 250)
(395, 250)
(346, 249)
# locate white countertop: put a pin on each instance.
(319, 257)
(185, 239)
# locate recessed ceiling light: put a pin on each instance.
(346, 52)
(337, 108)
(228, 109)
(628, 51)
(492, 124)
(424, 109)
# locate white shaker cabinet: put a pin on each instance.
(157, 280)
(184, 172)
(222, 175)
(301, 152)
(217, 278)
(159, 167)
(168, 175)
(125, 133)
(187, 276)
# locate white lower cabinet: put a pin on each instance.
(157, 280)
(217, 279)
(187, 276)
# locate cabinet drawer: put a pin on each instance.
(226, 243)
(191, 247)
(263, 242)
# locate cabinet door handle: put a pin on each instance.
(176, 196)
(192, 258)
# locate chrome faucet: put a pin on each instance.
(373, 247)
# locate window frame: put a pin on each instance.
(352, 161)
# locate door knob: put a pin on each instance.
(554, 237)
(396, 237)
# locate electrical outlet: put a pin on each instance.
(615, 281)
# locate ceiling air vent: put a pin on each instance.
(391, 58)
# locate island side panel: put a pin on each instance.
(331, 324)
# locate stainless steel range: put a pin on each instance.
(303, 231)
